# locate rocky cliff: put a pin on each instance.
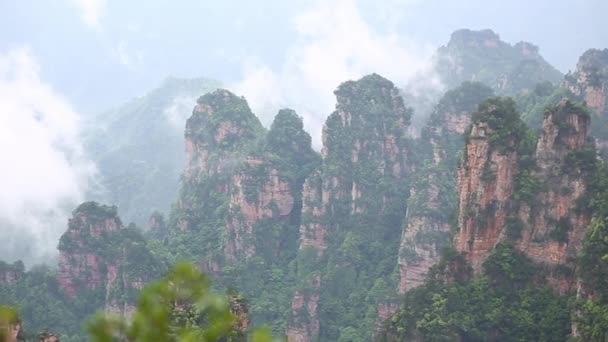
(103, 261)
(266, 193)
(353, 206)
(433, 187)
(218, 137)
(589, 79)
(241, 200)
(588, 83)
(512, 188)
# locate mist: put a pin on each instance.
(68, 60)
(44, 170)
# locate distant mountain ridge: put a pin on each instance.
(139, 150)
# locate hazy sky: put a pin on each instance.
(61, 60)
(98, 53)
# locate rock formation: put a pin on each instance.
(99, 258)
(511, 192)
(352, 206)
(589, 79)
(433, 187)
(257, 178)
(482, 56)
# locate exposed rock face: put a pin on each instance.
(554, 228)
(417, 256)
(483, 203)
(433, 190)
(80, 266)
(218, 135)
(221, 126)
(500, 196)
(304, 323)
(589, 79)
(241, 199)
(358, 189)
(98, 255)
(260, 187)
(253, 199)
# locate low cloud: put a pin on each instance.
(334, 44)
(44, 173)
(91, 11)
(179, 110)
(128, 57)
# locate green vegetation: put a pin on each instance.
(482, 56)
(502, 119)
(227, 218)
(197, 228)
(357, 268)
(179, 307)
(43, 305)
(591, 309)
(502, 304)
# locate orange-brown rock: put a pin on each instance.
(589, 79)
(551, 229)
(564, 133)
(79, 266)
(96, 256)
(270, 196)
(304, 318)
(363, 176)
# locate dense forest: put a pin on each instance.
(487, 223)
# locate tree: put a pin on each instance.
(179, 307)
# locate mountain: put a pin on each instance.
(433, 192)
(490, 225)
(139, 150)
(483, 57)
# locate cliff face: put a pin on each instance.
(554, 225)
(80, 266)
(485, 187)
(589, 83)
(304, 317)
(351, 207)
(219, 135)
(511, 192)
(589, 79)
(247, 183)
(241, 201)
(266, 192)
(433, 187)
(220, 128)
(97, 255)
(253, 199)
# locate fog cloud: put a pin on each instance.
(91, 11)
(44, 173)
(334, 44)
